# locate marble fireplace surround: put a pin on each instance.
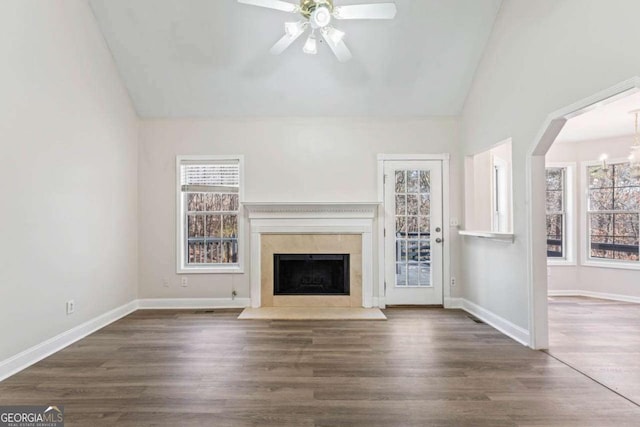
(338, 220)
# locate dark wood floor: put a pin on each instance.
(600, 338)
(422, 367)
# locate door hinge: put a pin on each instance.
(384, 179)
(384, 232)
(385, 287)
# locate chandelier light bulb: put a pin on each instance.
(603, 159)
(634, 156)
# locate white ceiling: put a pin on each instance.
(195, 58)
(607, 121)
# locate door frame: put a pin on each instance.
(446, 228)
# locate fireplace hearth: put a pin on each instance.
(311, 274)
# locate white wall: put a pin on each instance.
(68, 150)
(286, 160)
(542, 56)
(580, 277)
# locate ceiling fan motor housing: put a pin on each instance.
(318, 12)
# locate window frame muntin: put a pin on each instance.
(181, 224)
(587, 260)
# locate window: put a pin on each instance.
(500, 195)
(556, 214)
(613, 211)
(209, 214)
(489, 190)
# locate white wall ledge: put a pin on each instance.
(489, 235)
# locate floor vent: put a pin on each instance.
(204, 312)
(475, 319)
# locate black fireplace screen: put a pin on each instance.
(312, 274)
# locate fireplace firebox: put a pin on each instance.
(311, 274)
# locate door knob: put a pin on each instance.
(438, 230)
(438, 240)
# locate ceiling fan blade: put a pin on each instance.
(272, 4)
(366, 11)
(286, 41)
(337, 45)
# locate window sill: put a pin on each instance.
(561, 263)
(613, 265)
(489, 235)
(210, 270)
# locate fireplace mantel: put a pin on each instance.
(311, 210)
(312, 218)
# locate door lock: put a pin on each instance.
(438, 229)
(438, 240)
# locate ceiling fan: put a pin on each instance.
(318, 15)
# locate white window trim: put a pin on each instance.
(181, 268)
(587, 261)
(571, 225)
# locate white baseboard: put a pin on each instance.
(32, 355)
(591, 294)
(192, 303)
(508, 328)
(453, 303)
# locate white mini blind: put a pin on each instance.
(221, 177)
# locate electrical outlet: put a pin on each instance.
(453, 281)
(165, 283)
(453, 222)
(71, 306)
(184, 282)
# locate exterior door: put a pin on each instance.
(413, 232)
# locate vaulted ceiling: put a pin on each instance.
(199, 58)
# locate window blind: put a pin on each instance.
(223, 177)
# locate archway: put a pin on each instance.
(536, 226)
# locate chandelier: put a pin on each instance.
(634, 155)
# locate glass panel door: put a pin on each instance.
(413, 230)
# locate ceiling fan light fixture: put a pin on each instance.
(335, 35)
(318, 16)
(311, 45)
(293, 29)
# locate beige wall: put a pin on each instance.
(580, 277)
(68, 148)
(286, 160)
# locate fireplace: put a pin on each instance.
(311, 274)
(312, 228)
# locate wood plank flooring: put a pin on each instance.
(422, 367)
(600, 338)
